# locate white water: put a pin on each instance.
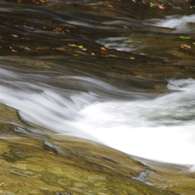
(122, 43)
(136, 42)
(162, 128)
(179, 23)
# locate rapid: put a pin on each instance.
(136, 95)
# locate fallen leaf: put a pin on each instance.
(25, 48)
(186, 47)
(60, 48)
(58, 29)
(25, 38)
(160, 6)
(72, 45)
(152, 4)
(13, 50)
(41, 2)
(114, 56)
(182, 37)
(15, 36)
(23, 191)
(103, 48)
(105, 56)
(110, 6)
(80, 46)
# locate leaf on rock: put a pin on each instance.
(16, 36)
(185, 47)
(183, 37)
(103, 48)
(152, 4)
(60, 49)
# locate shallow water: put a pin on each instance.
(120, 78)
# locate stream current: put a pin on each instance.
(135, 95)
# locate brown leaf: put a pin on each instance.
(60, 48)
(185, 47)
(15, 36)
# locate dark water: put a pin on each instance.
(109, 71)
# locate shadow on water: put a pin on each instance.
(71, 54)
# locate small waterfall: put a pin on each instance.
(161, 128)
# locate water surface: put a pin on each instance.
(111, 72)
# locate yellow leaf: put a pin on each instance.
(132, 58)
(80, 46)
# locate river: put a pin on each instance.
(119, 73)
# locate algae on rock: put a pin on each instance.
(67, 165)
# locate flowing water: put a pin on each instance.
(154, 128)
(113, 72)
